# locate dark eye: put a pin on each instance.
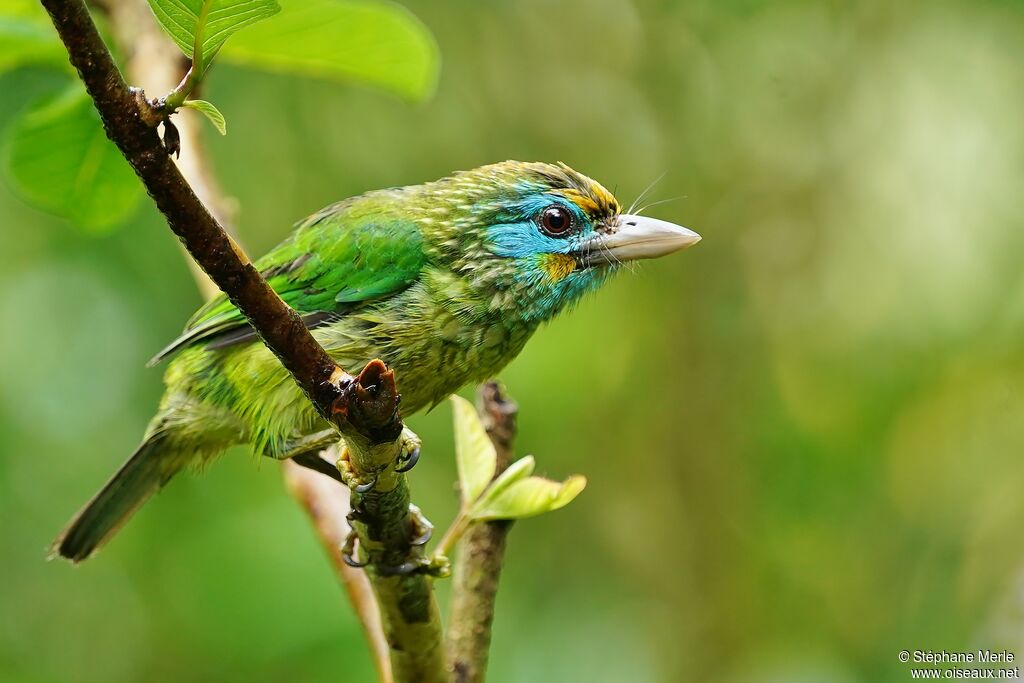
(556, 221)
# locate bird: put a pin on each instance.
(444, 281)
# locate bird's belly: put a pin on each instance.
(433, 358)
(245, 391)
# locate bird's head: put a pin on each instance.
(534, 237)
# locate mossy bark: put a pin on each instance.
(396, 566)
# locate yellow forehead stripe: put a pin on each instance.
(597, 201)
(581, 200)
(558, 266)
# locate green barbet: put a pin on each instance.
(444, 282)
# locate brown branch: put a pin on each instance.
(227, 265)
(154, 61)
(480, 554)
(364, 409)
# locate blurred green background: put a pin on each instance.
(803, 438)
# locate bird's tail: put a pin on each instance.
(150, 467)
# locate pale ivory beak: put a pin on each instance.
(637, 237)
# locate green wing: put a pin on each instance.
(335, 261)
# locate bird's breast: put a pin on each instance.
(434, 344)
(452, 353)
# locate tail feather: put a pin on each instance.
(146, 471)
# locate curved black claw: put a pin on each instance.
(424, 536)
(351, 561)
(366, 486)
(422, 525)
(404, 569)
(348, 551)
(407, 462)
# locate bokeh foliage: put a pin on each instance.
(57, 158)
(802, 438)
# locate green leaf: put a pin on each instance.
(372, 42)
(474, 453)
(528, 497)
(520, 469)
(59, 159)
(206, 24)
(211, 112)
(27, 36)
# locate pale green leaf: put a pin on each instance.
(528, 497)
(208, 23)
(27, 36)
(520, 469)
(372, 42)
(59, 159)
(474, 453)
(211, 112)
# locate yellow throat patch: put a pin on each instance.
(558, 266)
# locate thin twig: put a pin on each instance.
(480, 555)
(364, 408)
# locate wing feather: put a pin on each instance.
(336, 261)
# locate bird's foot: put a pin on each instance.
(436, 567)
(409, 454)
(422, 530)
(416, 564)
(349, 550)
(355, 514)
(406, 461)
(351, 479)
(421, 526)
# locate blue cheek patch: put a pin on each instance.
(516, 235)
(512, 233)
(519, 240)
